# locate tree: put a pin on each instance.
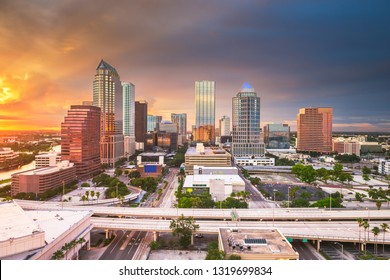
(118, 172)
(323, 174)
(359, 196)
(293, 192)
(184, 227)
(366, 227)
(84, 198)
(92, 194)
(66, 248)
(134, 174)
(384, 228)
(378, 204)
(375, 231)
(154, 245)
(87, 194)
(360, 222)
(234, 257)
(213, 253)
(85, 185)
(97, 197)
(337, 170)
(366, 170)
(58, 255)
(366, 177)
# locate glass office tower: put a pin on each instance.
(205, 111)
(80, 139)
(277, 136)
(246, 140)
(108, 96)
(129, 118)
(181, 120)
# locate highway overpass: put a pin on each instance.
(258, 214)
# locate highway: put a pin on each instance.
(124, 245)
(327, 231)
(261, 214)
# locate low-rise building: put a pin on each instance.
(7, 154)
(255, 161)
(45, 160)
(206, 156)
(38, 235)
(255, 244)
(43, 179)
(219, 186)
(384, 167)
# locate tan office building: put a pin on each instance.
(314, 130)
(205, 156)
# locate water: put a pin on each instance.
(7, 174)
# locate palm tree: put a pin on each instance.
(58, 255)
(97, 197)
(87, 194)
(375, 231)
(66, 248)
(360, 224)
(384, 227)
(366, 227)
(83, 198)
(92, 194)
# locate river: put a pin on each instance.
(7, 174)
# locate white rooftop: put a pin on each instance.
(56, 222)
(205, 178)
(191, 151)
(47, 170)
(14, 222)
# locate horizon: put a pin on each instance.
(295, 54)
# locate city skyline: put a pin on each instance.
(296, 54)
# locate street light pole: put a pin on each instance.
(330, 202)
(63, 193)
(288, 197)
(273, 212)
(342, 249)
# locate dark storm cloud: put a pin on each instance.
(295, 53)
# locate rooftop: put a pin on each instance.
(249, 243)
(45, 170)
(56, 222)
(191, 151)
(14, 222)
(202, 178)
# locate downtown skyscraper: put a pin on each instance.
(128, 118)
(80, 138)
(181, 120)
(314, 130)
(108, 96)
(224, 126)
(205, 111)
(246, 139)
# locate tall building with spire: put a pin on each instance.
(129, 118)
(246, 139)
(205, 111)
(108, 96)
(314, 130)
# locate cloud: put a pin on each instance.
(295, 53)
